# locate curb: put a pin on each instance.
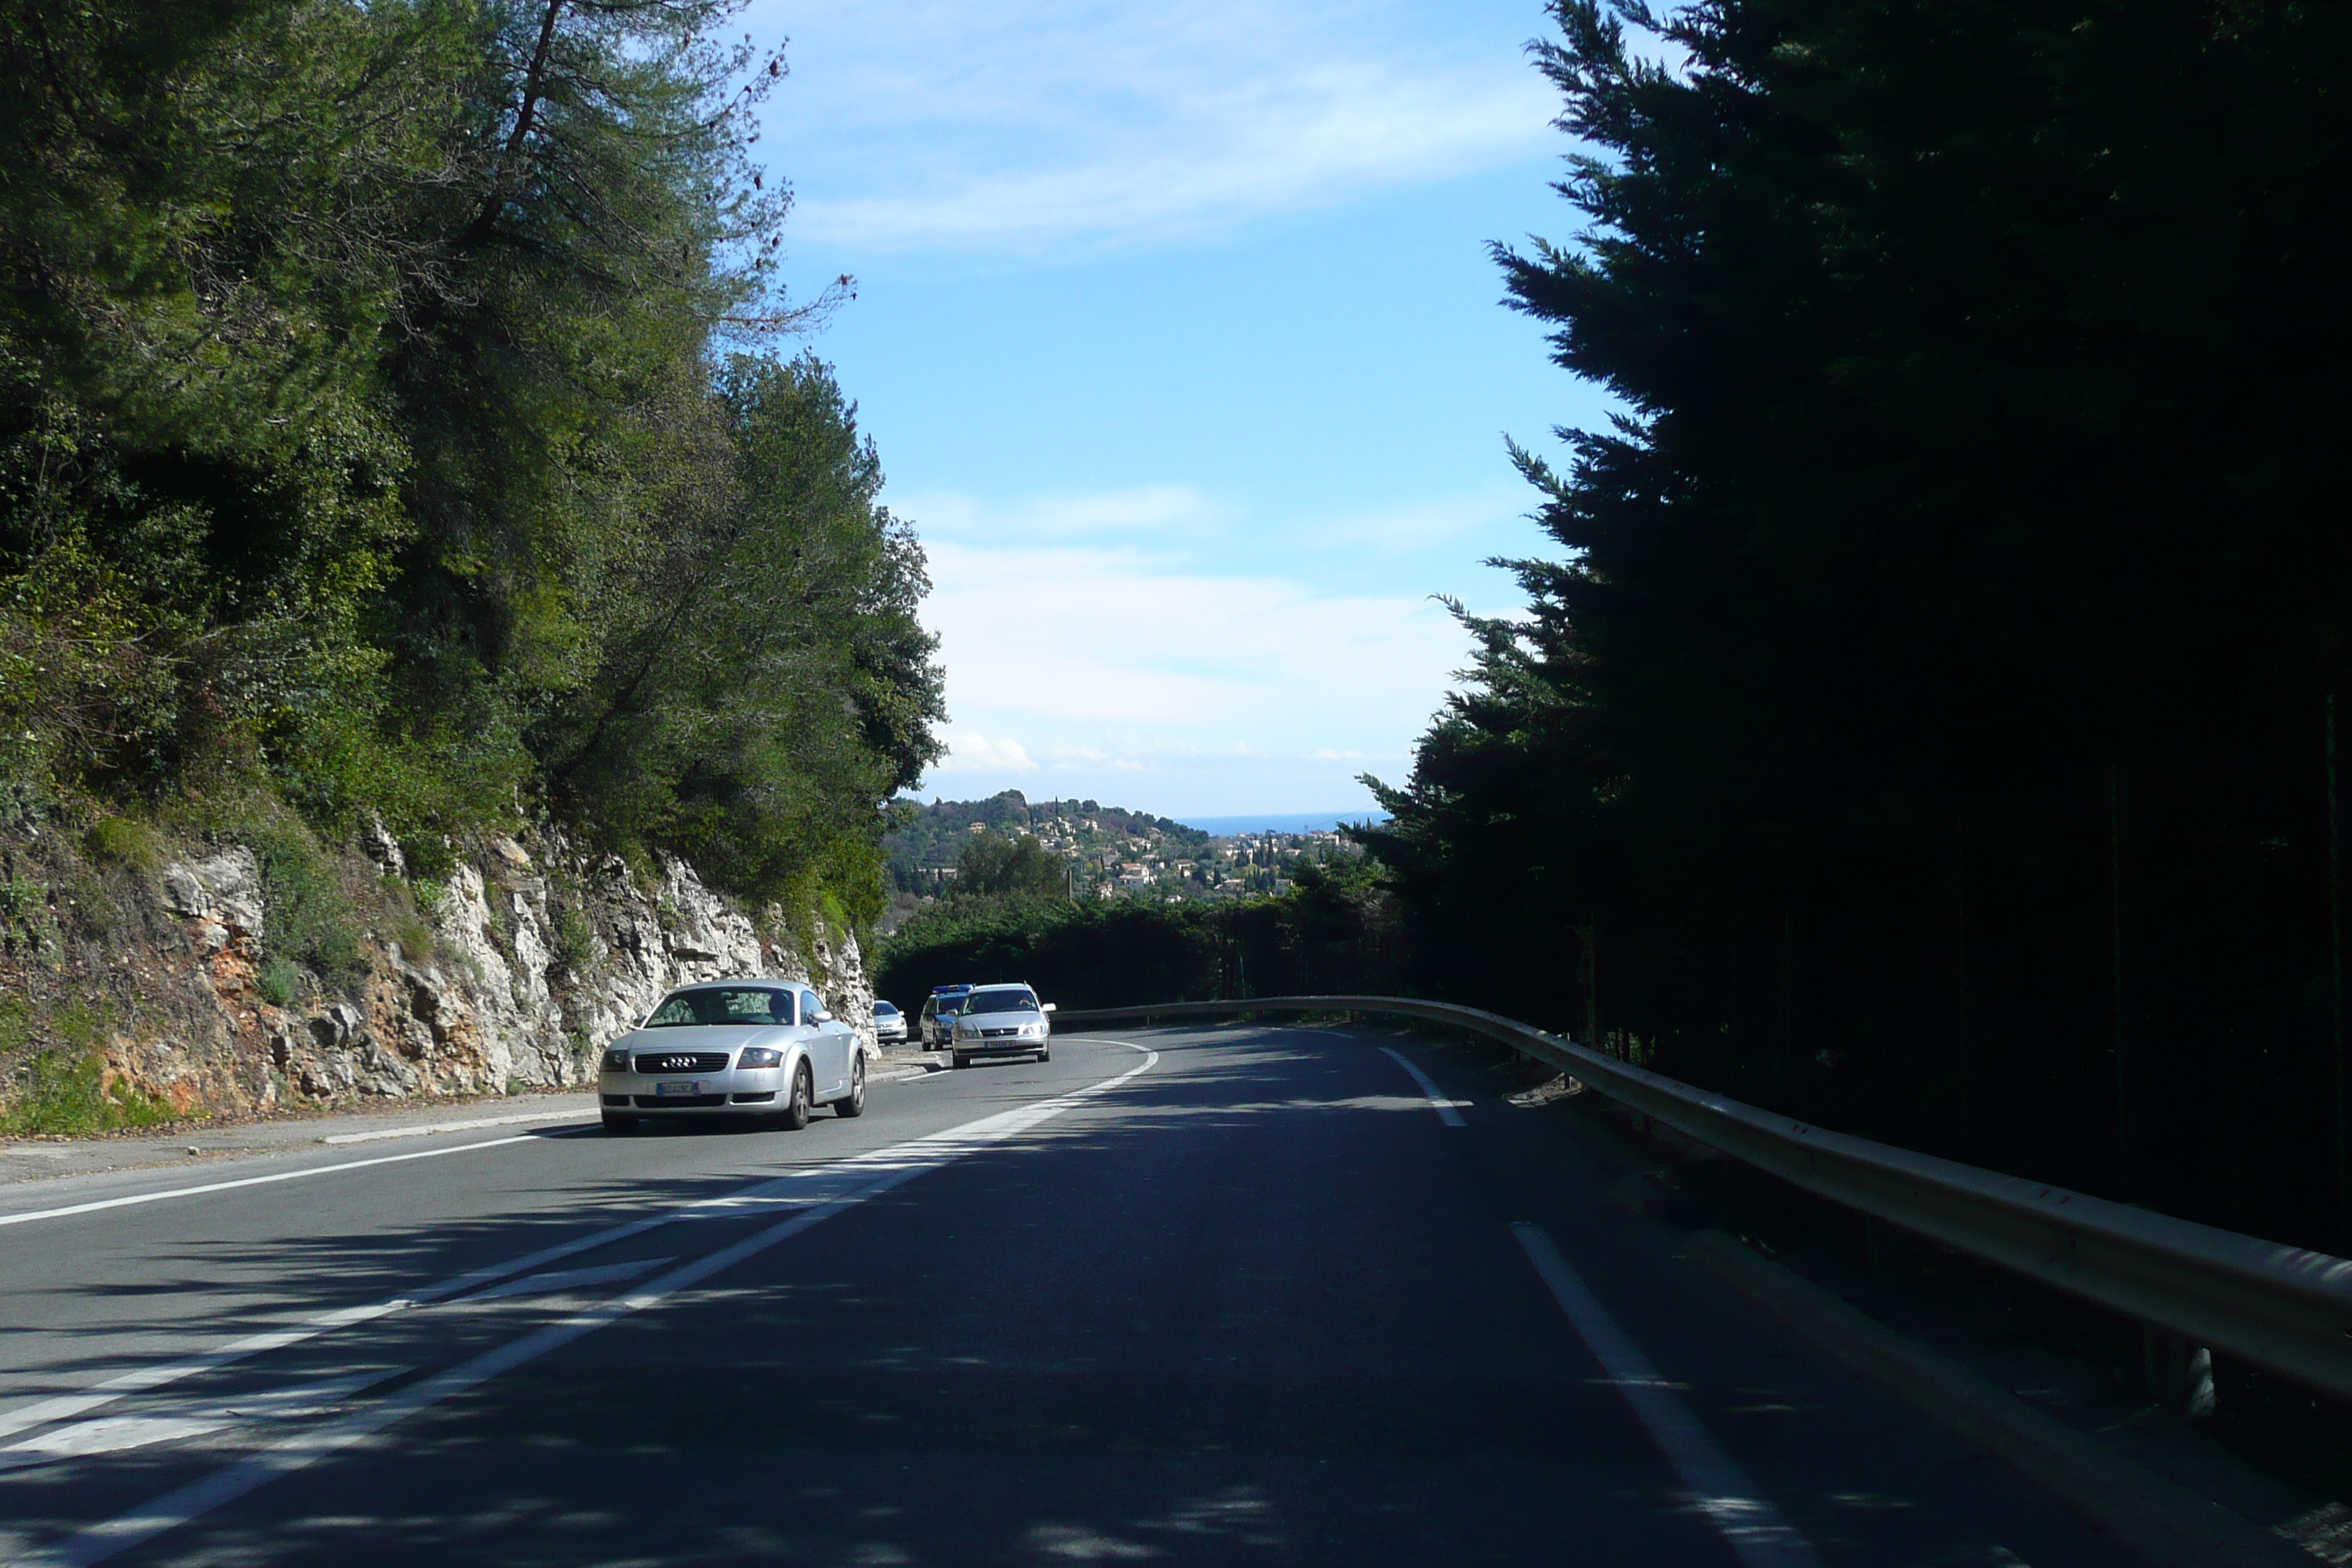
(2156, 1517)
(425, 1129)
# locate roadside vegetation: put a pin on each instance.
(402, 438)
(1335, 930)
(1927, 718)
(393, 428)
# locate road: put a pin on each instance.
(1222, 1295)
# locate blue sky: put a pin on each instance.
(1177, 333)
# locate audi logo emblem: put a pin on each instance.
(678, 1063)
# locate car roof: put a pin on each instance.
(1007, 985)
(739, 980)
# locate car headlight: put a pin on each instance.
(760, 1056)
(618, 1059)
(1031, 1031)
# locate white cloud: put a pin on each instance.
(1135, 642)
(1111, 660)
(1138, 510)
(1023, 126)
(968, 750)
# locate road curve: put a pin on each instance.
(1214, 1295)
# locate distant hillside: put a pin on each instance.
(1079, 829)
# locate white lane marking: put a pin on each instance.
(1437, 1102)
(144, 1379)
(891, 1167)
(566, 1279)
(423, 1129)
(140, 1380)
(114, 1434)
(1741, 1514)
(93, 1206)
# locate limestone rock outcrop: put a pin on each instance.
(536, 957)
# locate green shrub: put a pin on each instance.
(62, 1090)
(125, 841)
(576, 939)
(21, 901)
(26, 921)
(414, 939)
(277, 982)
(309, 920)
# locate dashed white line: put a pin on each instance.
(1742, 1515)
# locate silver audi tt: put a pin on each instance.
(762, 1049)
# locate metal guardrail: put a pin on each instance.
(2279, 1307)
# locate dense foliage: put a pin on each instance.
(1335, 932)
(381, 418)
(1925, 724)
(993, 866)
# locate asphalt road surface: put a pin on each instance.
(1224, 1296)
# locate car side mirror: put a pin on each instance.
(823, 1017)
(1046, 1007)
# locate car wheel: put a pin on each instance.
(795, 1114)
(613, 1123)
(957, 1059)
(854, 1102)
(1047, 1055)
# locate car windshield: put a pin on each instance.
(1001, 1002)
(723, 1004)
(945, 1007)
(884, 1010)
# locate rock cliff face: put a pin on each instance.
(514, 973)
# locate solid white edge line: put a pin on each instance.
(93, 1206)
(1719, 1489)
(109, 1537)
(1437, 1101)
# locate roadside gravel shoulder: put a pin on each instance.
(195, 1143)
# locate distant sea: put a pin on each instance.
(1279, 822)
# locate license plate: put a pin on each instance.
(662, 1090)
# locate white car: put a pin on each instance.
(889, 1024)
(752, 1049)
(1000, 1021)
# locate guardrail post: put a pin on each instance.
(2178, 1374)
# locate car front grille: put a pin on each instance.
(679, 1101)
(999, 1034)
(681, 1061)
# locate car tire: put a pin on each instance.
(854, 1102)
(616, 1123)
(795, 1114)
(1047, 1055)
(957, 1059)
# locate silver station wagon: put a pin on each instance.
(1000, 1021)
(758, 1049)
